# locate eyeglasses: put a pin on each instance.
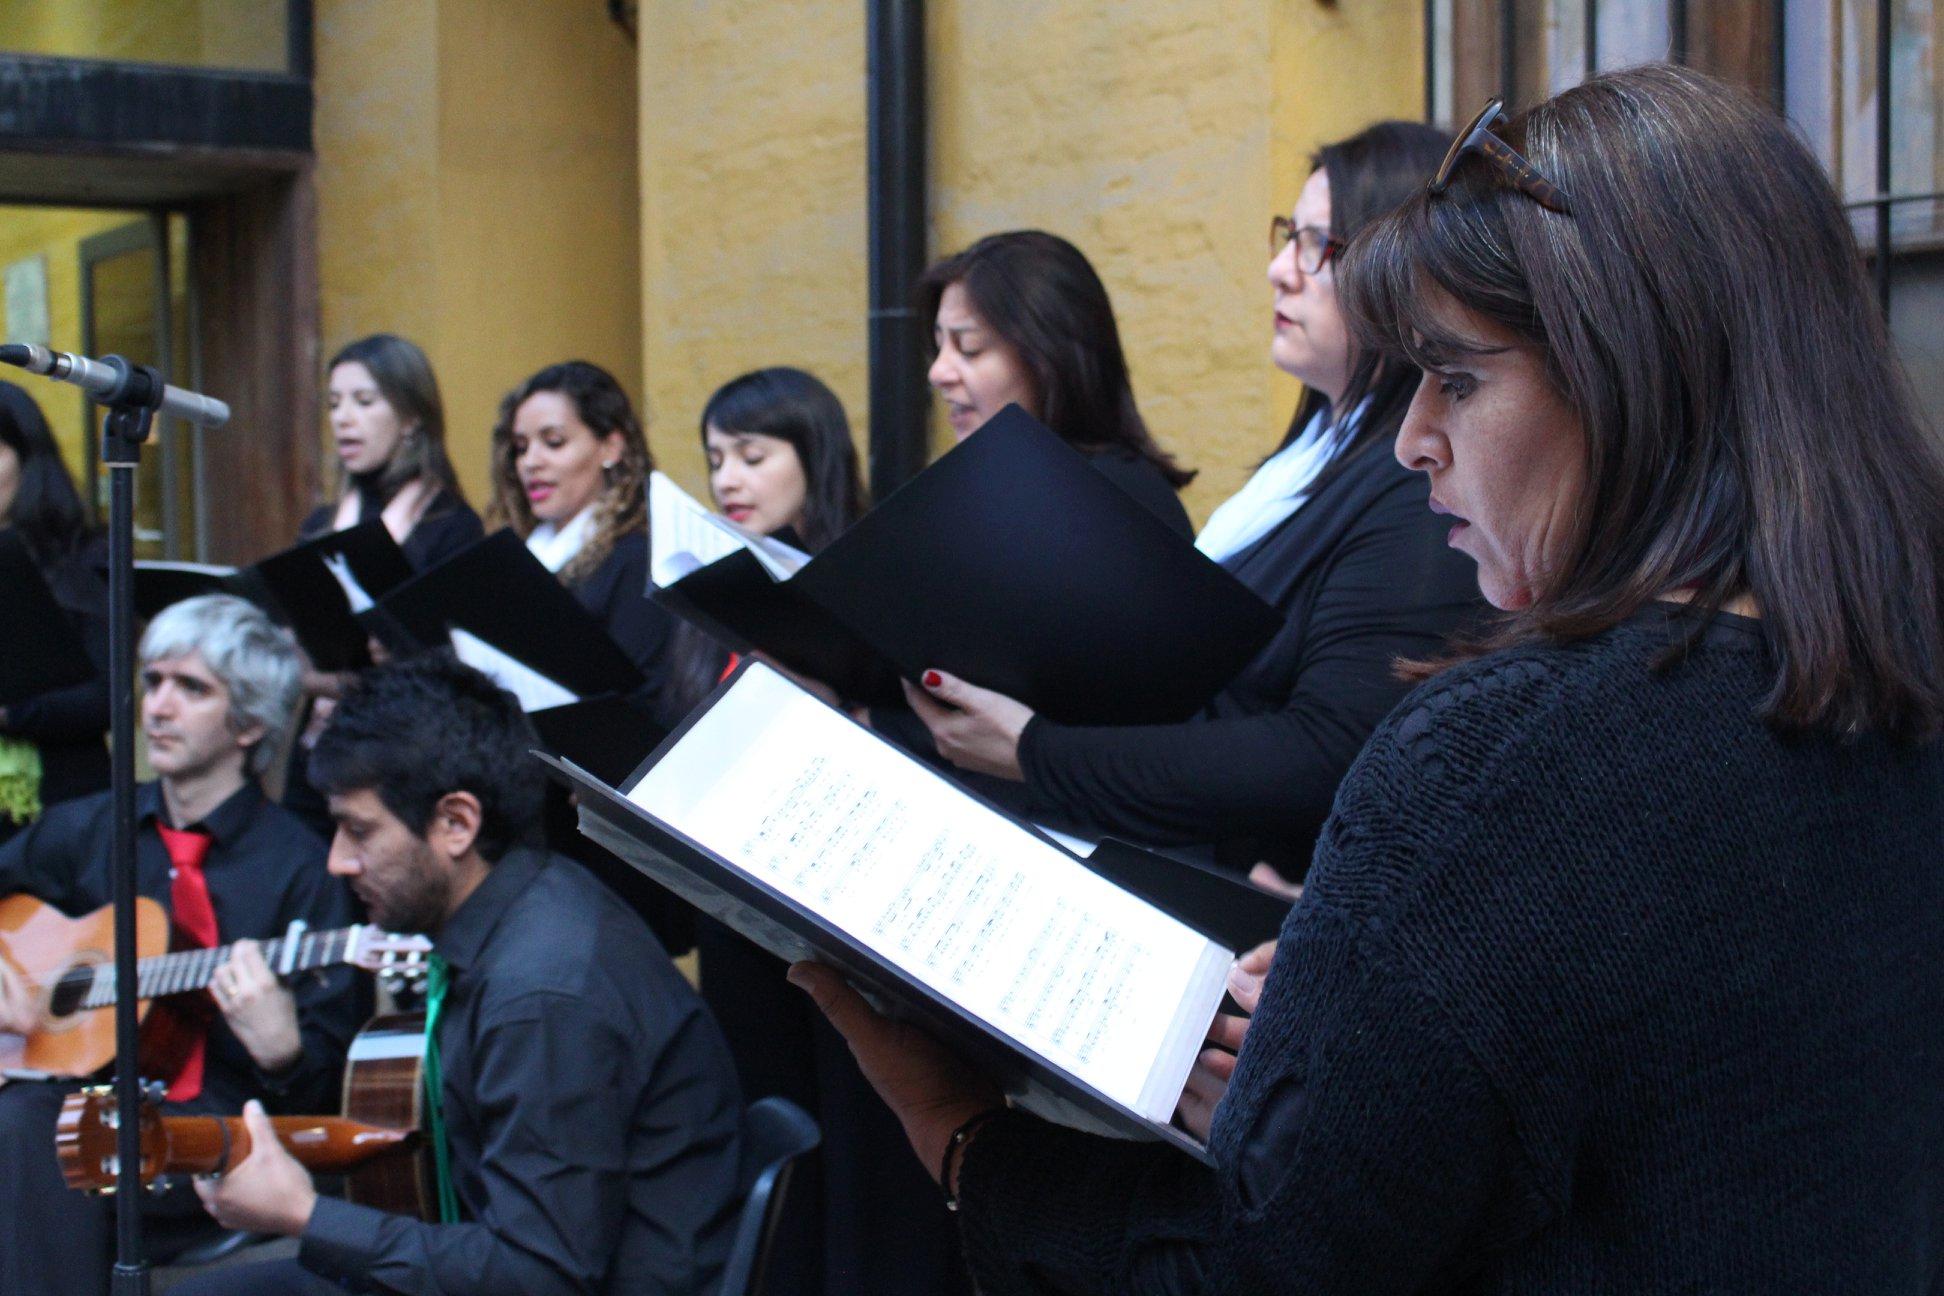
(1512, 164)
(1314, 248)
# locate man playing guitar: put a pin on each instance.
(220, 683)
(587, 1103)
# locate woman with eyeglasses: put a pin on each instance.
(1330, 531)
(1621, 966)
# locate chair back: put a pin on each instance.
(779, 1134)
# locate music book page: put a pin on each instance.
(683, 535)
(535, 691)
(1057, 959)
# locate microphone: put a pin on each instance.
(111, 378)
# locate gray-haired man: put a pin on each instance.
(219, 687)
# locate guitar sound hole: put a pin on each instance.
(69, 991)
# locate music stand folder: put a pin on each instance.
(495, 591)
(816, 839)
(37, 642)
(1012, 563)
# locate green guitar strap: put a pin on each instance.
(438, 979)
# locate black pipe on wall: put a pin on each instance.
(896, 125)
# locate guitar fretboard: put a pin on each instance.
(179, 973)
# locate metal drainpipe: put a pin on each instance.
(900, 399)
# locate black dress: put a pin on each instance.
(70, 725)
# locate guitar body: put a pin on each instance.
(384, 1085)
(42, 943)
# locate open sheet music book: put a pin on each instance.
(685, 535)
(815, 838)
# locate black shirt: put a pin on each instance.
(1142, 478)
(265, 870)
(591, 1108)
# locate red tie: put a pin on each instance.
(192, 926)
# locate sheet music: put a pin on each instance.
(354, 594)
(684, 535)
(1089, 977)
(535, 691)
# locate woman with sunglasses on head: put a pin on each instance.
(1619, 967)
(1022, 318)
(52, 745)
(1330, 531)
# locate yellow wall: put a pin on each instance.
(477, 192)
(56, 233)
(1158, 136)
(212, 33)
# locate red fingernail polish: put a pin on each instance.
(933, 679)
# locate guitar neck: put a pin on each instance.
(331, 1144)
(190, 970)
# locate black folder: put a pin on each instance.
(296, 588)
(497, 590)
(38, 643)
(1220, 905)
(161, 584)
(792, 931)
(607, 736)
(1010, 563)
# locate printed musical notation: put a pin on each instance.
(945, 888)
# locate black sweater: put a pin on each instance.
(447, 526)
(1599, 984)
(1363, 576)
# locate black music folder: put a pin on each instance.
(607, 735)
(38, 644)
(815, 838)
(323, 589)
(1230, 909)
(503, 612)
(1011, 563)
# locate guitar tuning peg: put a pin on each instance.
(161, 1184)
(154, 1090)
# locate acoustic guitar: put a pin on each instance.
(69, 965)
(377, 1144)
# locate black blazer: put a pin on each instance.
(1363, 575)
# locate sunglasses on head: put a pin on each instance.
(1512, 164)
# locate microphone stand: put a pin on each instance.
(131, 411)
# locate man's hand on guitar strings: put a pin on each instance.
(18, 1013)
(268, 1192)
(258, 1008)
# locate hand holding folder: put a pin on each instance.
(818, 840)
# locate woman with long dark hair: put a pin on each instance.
(570, 476)
(1331, 532)
(1023, 318)
(52, 747)
(388, 426)
(782, 463)
(1619, 967)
